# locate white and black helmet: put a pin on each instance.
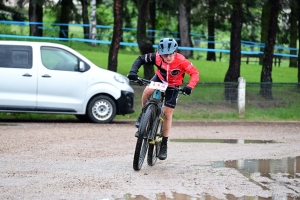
(167, 46)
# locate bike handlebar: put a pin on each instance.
(142, 81)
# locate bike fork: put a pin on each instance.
(153, 141)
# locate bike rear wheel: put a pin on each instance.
(155, 144)
(142, 143)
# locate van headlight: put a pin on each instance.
(121, 79)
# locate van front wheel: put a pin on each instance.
(101, 109)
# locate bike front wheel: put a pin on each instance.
(142, 143)
(155, 143)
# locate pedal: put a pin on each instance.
(159, 140)
(152, 142)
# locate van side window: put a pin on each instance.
(16, 56)
(59, 59)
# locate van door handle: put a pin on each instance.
(46, 76)
(27, 75)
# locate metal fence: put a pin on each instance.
(208, 100)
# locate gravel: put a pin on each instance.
(72, 160)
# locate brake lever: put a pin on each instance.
(141, 83)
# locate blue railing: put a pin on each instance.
(134, 44)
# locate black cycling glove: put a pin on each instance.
(132, 76)
(187, 90)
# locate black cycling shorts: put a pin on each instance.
(171, 94)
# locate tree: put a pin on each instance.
(266, 73)
(298, 44)
(265, 14)
(145, 45)
(93, 22)
(85, 18)
(293, 32)
(117, 36)
(252, 21)
(35, 13)
(211, 55)
(152, 23)
(7, 13)
(211, 15)
(233, 72)
(64, 18)
(184, 27)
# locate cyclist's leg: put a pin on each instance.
(146, 95)
(170, 103)
(168, 114)
(171, 97)
(148, 91)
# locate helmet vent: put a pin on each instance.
(162, 46)
(169, 46)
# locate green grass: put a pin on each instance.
(31, 116)
(276, 114)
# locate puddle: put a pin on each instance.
(230, 141)
(283, 172)
(177, 196)
(288, 166)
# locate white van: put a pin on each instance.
(41, 77)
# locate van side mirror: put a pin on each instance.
(81, 66)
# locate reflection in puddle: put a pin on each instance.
(231, 141)
(281, 172)
(288, 166)
(177, 196)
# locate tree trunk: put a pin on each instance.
(93, 23)
(298, 44)
(66, 7)
(211, 56)
(144, 43)
(293, 32)
(233, 72)
(35, 13)
(184, 28)
(85, 19)
(266, 73)
(264, 27)
(117, 36)
(152, 17)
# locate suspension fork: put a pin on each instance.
(159, 118)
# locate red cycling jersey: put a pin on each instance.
(172, 73)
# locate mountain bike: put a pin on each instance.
(150, 130)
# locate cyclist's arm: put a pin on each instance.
(194, 75)
(142, 60)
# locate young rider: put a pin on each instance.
(171, 67)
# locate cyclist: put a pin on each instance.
(171, 67)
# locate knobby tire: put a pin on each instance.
(153, 149)
(142, 143)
